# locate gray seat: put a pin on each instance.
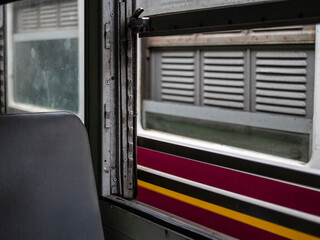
(47, 187)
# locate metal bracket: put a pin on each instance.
(139, 24)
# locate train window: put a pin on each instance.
(45, 52)
(255, 94)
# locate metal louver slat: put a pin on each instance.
(279, 86)
(224, 79)
(178, 77)
(224, 96)
(281, 82)
(286, 102)
(281, 94)
(277, 78)
(283, 110)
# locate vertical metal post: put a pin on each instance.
(110, 106)
(119, 103)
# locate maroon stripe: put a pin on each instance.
(279, 193)
(209, 219)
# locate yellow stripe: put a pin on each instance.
(256, 222)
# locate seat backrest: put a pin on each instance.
(47, 187)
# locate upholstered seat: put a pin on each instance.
(47, 186)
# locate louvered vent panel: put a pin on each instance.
(178, 77)
(281, 82)
(50, 15)
(224, 79)
(28, 18)
(69, 14)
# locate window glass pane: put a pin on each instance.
(45, 56)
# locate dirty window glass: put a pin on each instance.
(45, 56)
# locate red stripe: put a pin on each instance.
(209, 219)
(279, 193)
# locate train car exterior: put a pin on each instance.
(212, 147)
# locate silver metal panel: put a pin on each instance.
(254, 119)
(129, 145)
(119, 94)
(110, 149)
(245, 79)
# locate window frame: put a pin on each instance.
(76, 33)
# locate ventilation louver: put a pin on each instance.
(178, 77)
(51, 15)
(224, 79)
(281, 79)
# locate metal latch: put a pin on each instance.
(139, 24)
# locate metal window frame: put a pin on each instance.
(118, 101)
(235, 16)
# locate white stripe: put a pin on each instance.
(271, 206)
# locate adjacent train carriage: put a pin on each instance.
(228, 131)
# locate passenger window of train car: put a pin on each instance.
(249, 89)
(45, 52)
